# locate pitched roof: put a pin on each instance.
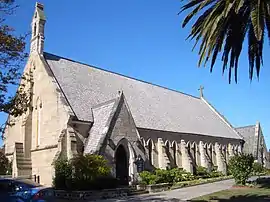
(152, 106)
(246, 131)
(251, 140)
(99, 129)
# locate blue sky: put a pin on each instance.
(144, 39)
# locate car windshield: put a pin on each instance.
(28, 183)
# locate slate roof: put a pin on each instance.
(100, 126)
(247, 131)
(152, 106)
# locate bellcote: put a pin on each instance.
(38, 24)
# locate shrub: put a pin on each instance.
(5, 165)
(257, 168)
(187, 176)
(241, 167)
(87, 168)
(215, 173)
(177, 174)
(82, 173)
(164, 176)
(147, 178)
(63, 174)
(202, 172)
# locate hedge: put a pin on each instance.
(175, 175)
(84, 172)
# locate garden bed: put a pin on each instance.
(169, 186)
(183, 184)
(242, 187)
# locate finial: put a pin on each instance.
(39, 5)
(201, 91)
(38, 26)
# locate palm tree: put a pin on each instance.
(221, 28)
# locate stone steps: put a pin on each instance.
(24, 164)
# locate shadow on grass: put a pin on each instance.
(263, 182)
(245, 198)
(145, 198)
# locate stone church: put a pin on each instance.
(135, 125)
(255, 143)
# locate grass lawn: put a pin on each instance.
(260, 192)
(237, 194)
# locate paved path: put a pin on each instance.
(179, 195)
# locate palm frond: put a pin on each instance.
(221, 28)
(267, 18)
(257, 17)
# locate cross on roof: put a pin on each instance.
(201, 91)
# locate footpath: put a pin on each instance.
(178, 195)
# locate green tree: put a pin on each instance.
(12, 57)
(241, 167)
(222, 26)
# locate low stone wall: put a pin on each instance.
(5, 176)
(19, 177)
(91, 195)
(158, 187)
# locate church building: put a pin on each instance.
(136, 125)
(255, 143)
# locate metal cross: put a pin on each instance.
(201, 91)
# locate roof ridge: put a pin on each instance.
(222, 117)
(102, 104)
(119, 74)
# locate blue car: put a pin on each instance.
(23, 190)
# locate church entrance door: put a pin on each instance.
(121, 165)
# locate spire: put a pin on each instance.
(38, 24)
(201, 91)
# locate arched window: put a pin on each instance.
(35, 30)
(210, 155)
(174, 147)
(194, 153)
(167, 148)
(150, 151)
(214, 159)
(168, 154)
(188, 149)
(38, 120)
(224, 153)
